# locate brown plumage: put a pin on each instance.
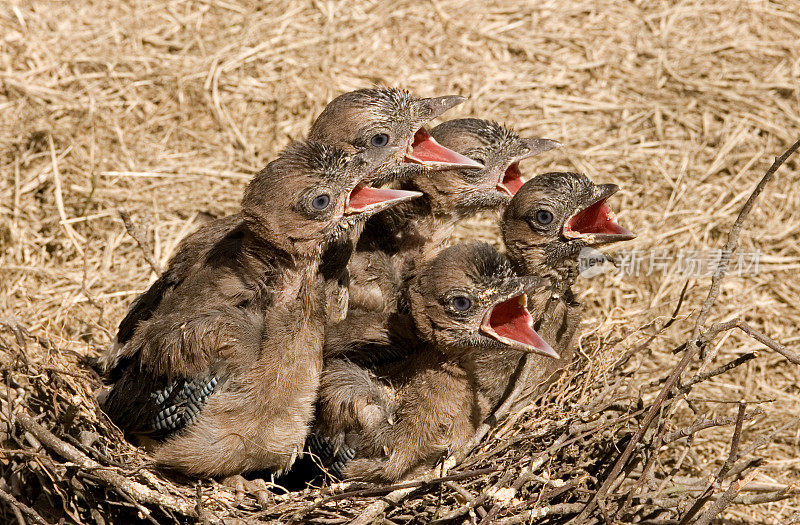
(548, 222)
(464, 304)
(222, 375)
(393, 239)
(367, 120)
(378, 118)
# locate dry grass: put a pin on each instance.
(166, 108)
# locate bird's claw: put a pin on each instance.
(257, 488)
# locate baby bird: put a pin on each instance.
(463, 304)
(374, 119)
(392, 239)
(548, 222)
(390, 118)
(367, 120)
(221, 377)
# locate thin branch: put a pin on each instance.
(699, 378)
(21, 507)
(141, 240)
(703, 424)
(732, 243)
(767, 341)
(726, 499)
(532, 516)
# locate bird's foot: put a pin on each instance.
(258, 488)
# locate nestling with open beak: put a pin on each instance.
(383, 118)
(384, 121)
(549, 221)
(393, 239)
(463, 304)
(221, 378)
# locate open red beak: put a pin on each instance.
(367, 199)
(510, 322)
(426, 151)
(511, 181)
(597, 224)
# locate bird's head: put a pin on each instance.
(467, 298)
(388, 118)
(498, 149)
(314, 193)
(555, 215)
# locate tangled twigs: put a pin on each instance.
(21, 508)
(723, 471)
(692, 346)
(124, 486)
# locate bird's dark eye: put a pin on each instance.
(544, 217)
(461, 303)
(479, 159)
(380, 140)
(321, 202)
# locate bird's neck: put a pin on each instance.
(290, 277)
(560, 266)
(410, 227)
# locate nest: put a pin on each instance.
(167, 108)
(587, 454)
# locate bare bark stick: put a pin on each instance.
(699, 378)
(733, 242)
(124, 486)
(723, 501)
(767, 341)
(20, 507)
(532, 516)
(703, 424)
(141, 240)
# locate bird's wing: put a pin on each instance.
(180, 363)
(189, 252)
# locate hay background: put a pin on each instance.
(166, 108)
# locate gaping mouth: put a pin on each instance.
(510, 323)
(511, 181)
(596, 224)
(424, 150)
(365, 199)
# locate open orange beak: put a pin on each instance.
(426, 151)
(511, 323)
(365, 199)
(596, 223)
